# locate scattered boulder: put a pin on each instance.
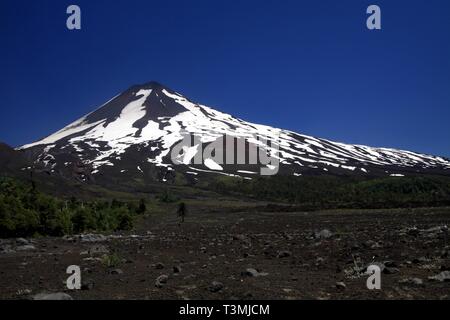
(23, 292)
(215, 286)
(161, 281)
(69, 238)
(319, 261)
(52, 296)
(390, 270)
(413, 232)
(176, 269)
(412, 281)
(444, 276)
(373, 244)
(159, 266)
(6, 249)
(323, 234)
(87, 285)
(420, 260)
(251, 272)
(284, 254)
(239, 237)
(27, 247)
(98, 249)
(90, 237)
(116, 271)
(341, 285)
(437, 230)
(22, 241)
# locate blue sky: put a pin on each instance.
(309, 66)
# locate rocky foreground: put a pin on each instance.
(243, 255)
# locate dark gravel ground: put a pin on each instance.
(243, 255)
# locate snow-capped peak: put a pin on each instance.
(151, 119)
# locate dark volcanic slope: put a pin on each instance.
(132, 136)
(11, 161)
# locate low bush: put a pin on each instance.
(27, 212)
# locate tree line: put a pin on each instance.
(24, 211)
(325, 192)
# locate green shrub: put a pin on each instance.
(167, 197)
(111, 260)
(26, 212)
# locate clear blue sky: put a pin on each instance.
(309, 66)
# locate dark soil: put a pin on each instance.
(207, 257)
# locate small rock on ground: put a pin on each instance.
(161, 281)
(92, 237)
(215, 286)
(412, 281)
(251, 272)
(323, 234)
(27, 247)
(444, 276)
(341, 285)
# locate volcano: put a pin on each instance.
(133, 136)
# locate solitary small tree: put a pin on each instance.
(142, 208)
(182, 210)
